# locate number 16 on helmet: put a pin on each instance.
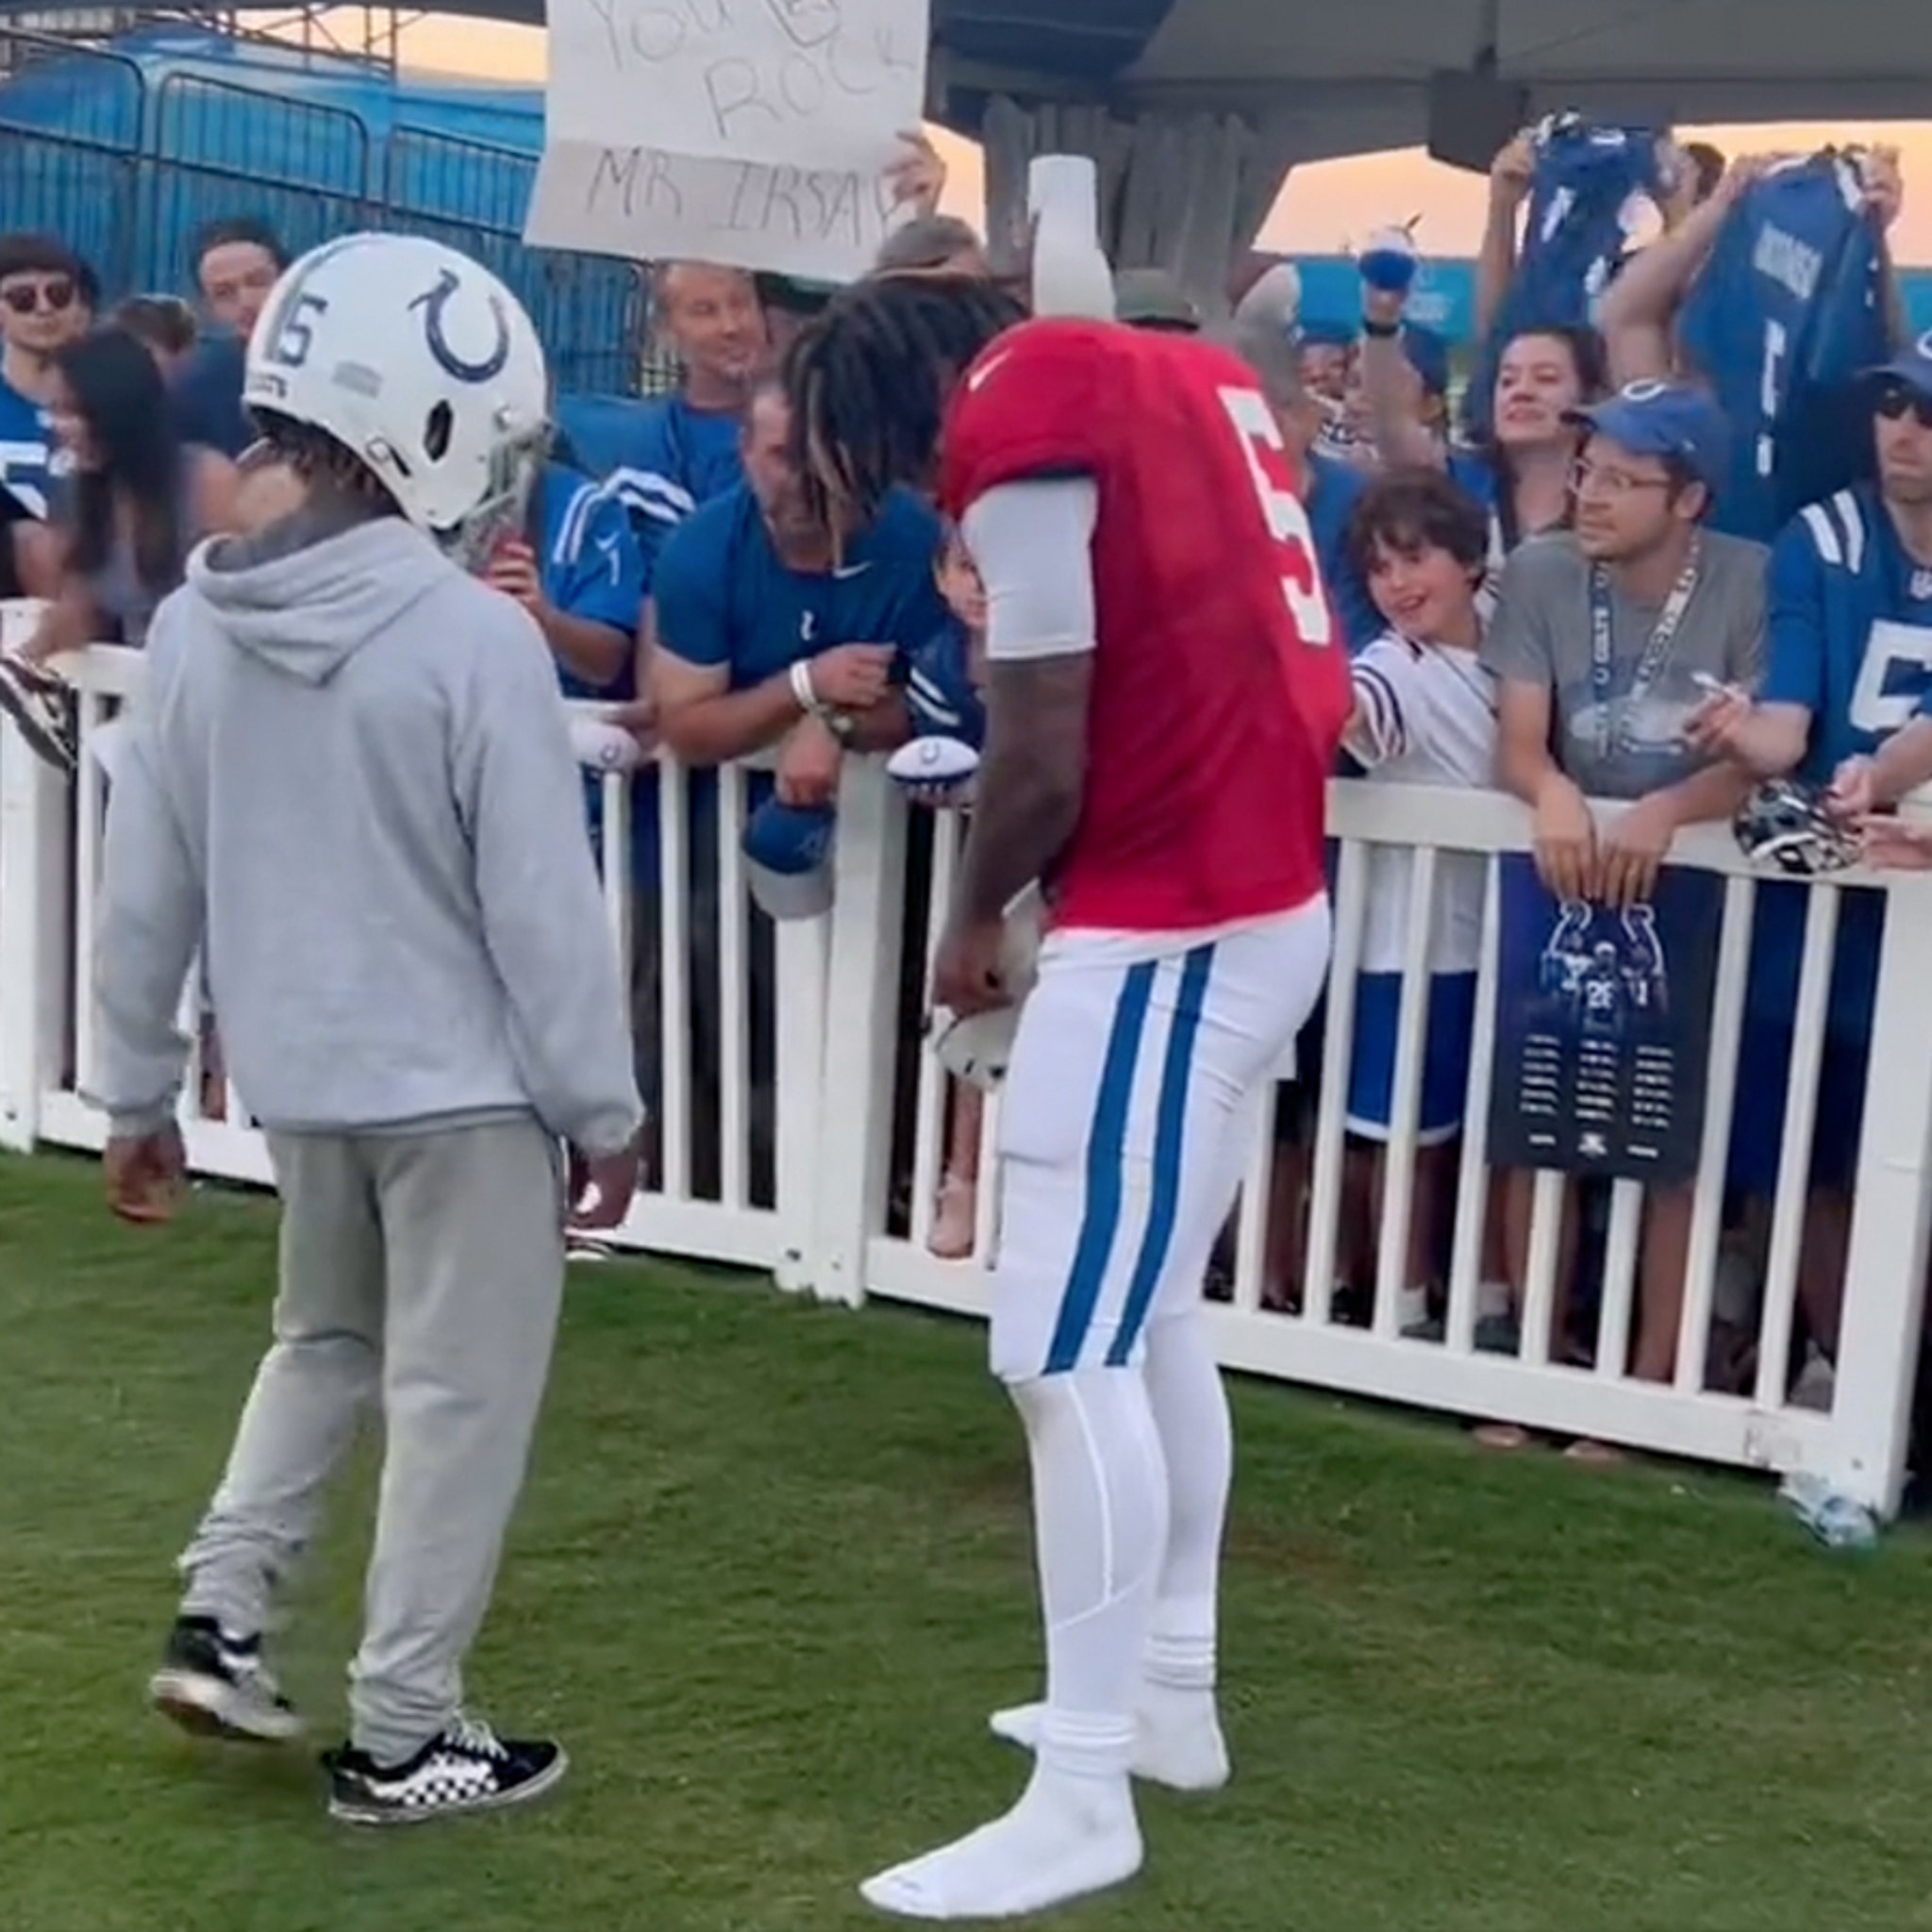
(424, 368)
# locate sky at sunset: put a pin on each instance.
(1326, 205)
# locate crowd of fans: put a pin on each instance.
(1581, 600)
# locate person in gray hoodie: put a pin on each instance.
(349, 787)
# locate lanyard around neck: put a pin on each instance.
(1655, 653)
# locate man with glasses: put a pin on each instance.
(1605, 638)
(47, 299)
(1844, 702)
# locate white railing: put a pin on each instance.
(731, 1183)
(856, 1119)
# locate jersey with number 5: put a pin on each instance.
(1784, 318)
(1850, 634)
(1219, 680)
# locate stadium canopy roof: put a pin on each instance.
(1362, 73)
(1197, 109)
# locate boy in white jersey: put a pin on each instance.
(1424, 714)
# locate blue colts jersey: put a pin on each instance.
(29, 460)
(1784, 318)
(1572, 239)
(1850, 639)
(1850, 629)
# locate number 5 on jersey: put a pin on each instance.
(1266, 457)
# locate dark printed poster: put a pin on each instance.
(1602, 1027)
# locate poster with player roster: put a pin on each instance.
(1602, 1024)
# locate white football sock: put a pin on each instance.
(1100, 1526)
(1178, 1736)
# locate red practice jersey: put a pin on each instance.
(1221, 681)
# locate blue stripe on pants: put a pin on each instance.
(1105, 1147)
(1171, 1115)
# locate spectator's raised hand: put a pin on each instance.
(1885, 185)
(512, 570)
(1744, 173)
(1513, 171)
(853, 677)
(808, 765)
(1565, 840)
(917, 174)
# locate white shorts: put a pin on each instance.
(1128, 1116)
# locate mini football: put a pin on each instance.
(603, 747)
(928, 762)
(978, 1048)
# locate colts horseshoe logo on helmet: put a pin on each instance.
(432, 303)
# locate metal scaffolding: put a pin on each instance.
(366, 33)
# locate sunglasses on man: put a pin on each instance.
(55, 294)
(1898, 400)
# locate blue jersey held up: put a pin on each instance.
(1584, 179)
(1786, 316)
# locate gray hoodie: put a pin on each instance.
(349, 782)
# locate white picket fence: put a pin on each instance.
(828, 1182)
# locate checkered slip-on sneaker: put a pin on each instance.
(215, 1685)
(467, 1768)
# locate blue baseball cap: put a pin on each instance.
(1676, 420)
(788, 859)
(1911, 366)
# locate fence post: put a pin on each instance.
(799, 1133)
(35, 881)
(863, 989)
(1885, 1270)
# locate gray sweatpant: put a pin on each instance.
(423, 1272)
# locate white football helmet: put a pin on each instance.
(422, 364)
(978, 1047)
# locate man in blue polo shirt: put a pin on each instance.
(750, 588)
(766, 632)
(1848, 671)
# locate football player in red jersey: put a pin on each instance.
(1166, 691)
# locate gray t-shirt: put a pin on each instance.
(1541, 634)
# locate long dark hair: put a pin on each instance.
(119, 393)
(870, 378)
(1592, 363)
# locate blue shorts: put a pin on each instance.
(1451, 1022)
(1758, 1116)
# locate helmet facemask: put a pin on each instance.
(515, 463)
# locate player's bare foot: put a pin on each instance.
(1177, 1737)
(1067, 1836)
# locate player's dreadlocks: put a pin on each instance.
(869, 379)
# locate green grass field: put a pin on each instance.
(770, 1573)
